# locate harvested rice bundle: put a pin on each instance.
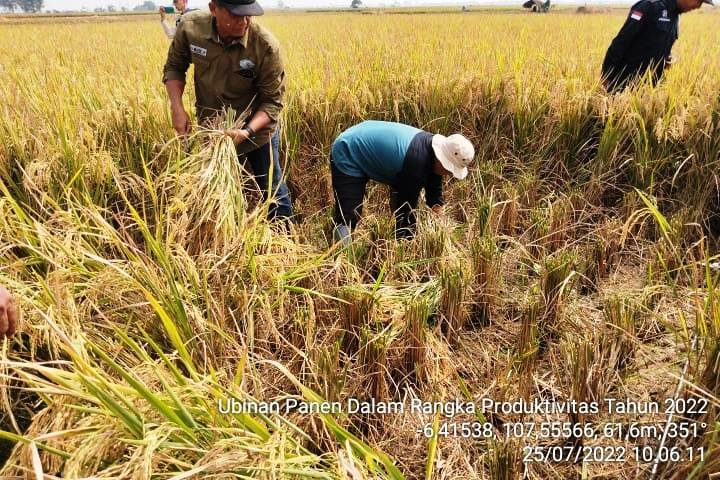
(206, 190)
(390, 328)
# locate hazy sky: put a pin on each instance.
(90, 4)
(77, 4)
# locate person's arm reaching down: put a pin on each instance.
(176, 66)
(8, 313)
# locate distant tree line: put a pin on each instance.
(24, 5)
(33, 6)
(146, 6)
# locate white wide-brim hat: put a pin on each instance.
(455, 153)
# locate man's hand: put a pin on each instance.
(238, 135)
(162, 13)
(180, 120)
(8, 313)
(606, 82)
(670, 61)
(438, 210)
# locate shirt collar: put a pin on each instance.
(215, 36)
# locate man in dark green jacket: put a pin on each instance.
(237, 65)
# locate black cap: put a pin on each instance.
(242, 7)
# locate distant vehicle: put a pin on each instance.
(537, 6)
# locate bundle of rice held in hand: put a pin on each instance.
(207, 208)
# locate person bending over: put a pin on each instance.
(404, 157)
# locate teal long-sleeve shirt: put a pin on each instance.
(373, 149)
(391, 153)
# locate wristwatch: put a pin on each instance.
(251, 133)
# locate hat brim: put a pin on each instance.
(438, 142)
(250, 10)
(709, 2)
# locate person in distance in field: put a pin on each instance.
(645, 42)
(181, 8)
(404, 157)
(237, 65)
(8, 313)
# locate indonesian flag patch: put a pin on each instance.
(636, 15)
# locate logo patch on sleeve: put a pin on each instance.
(198, 50)
(636, 15)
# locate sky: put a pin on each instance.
(91, 4)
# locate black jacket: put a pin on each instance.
(643, 43)
(417, 173)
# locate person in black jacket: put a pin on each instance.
(645, 42)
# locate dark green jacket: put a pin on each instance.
(247, 74)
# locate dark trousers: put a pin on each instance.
(404, 205)
(260, 160)
(349, 195)
(617, 82)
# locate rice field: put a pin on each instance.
(572, 264)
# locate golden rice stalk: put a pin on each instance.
(359, 309)
(330, 375)
(504, 460)
(417, 314)
(620, 315)
(485, 257)
(579, 361)
(207, 196)
(528, 343)
(556, 282)
(453, 307)
(38, 175)
(374, 360)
